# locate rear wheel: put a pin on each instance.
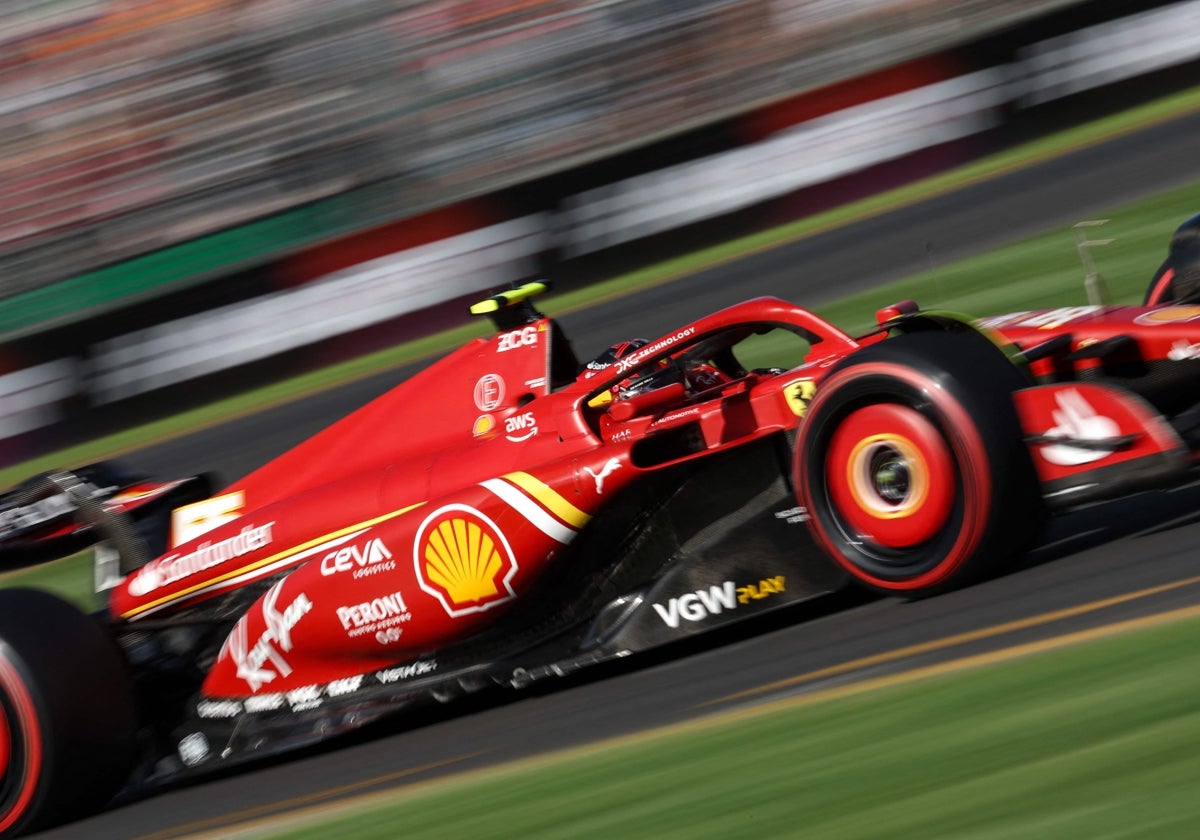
(67, 714)
(911, 464)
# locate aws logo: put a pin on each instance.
(462, 559)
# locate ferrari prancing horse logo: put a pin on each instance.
(799, 394)
(462, 559)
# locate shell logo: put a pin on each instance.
(462, 559)
(1169, 315)
(485, 426)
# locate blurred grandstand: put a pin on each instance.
(127, 126)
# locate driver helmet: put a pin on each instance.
(697, 378)
(635, 384)
(612, 355)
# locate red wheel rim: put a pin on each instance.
(5, 746)
(891, 475)
(20, 780)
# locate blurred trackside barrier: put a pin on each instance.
(335, 293)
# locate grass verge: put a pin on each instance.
(1092, 740)
(70, 578)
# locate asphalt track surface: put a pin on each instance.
(1106, 564)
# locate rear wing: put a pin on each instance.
(54, 515)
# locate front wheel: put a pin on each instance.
(912, 466)
(67, 713)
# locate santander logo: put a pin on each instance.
(174, 567)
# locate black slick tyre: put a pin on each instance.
(67, 713)
(911, 464)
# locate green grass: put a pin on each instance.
(1095, 740)
(1041, 272)
(68, 577)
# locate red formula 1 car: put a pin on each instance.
(509, 514)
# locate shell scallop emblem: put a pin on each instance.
(1169, 315)
(462, 559)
